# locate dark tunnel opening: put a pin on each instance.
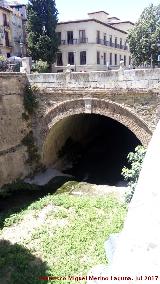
(90, 147)
(98, 150)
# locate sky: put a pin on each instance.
(78, 9)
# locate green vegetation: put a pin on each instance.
(40, 66)
(62, 235)
(144, 37)
(18, 265)
(132, 174)
(32, 150)
(3, 63)
(30, 102)
(42, 22)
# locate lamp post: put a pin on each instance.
(21, 47)
(74, 52)
(158, 59)
(152, 56)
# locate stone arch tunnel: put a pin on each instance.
(93, 138)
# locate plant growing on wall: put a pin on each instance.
(144, 37)
(30, 103)
(29, 100)
(132, 174)
(42, 22)
(33, 156)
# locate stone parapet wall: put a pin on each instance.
(135, 79)
(12, 127)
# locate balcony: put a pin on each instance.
(111, 44)
(102, 41)
(74, 41)
(125, 47)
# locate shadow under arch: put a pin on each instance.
(96, 106)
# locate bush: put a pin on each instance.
(132, 174)
(41, 66)
(3, 64)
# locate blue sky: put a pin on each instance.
(123, 9)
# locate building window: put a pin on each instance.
(6, 38)
(105, 39)
(124, 60)
(70, 37)
(110, 59)
(5, 20)
(104, 57)
(98, 57)
(83, 58)
(110, 40)
(120, 57)
(98, 36)
(125, 45)
(115, 58)
(59, 37)
(115, 42)
(121, 43)
(59, 59)
(82, 36)
(71, 58)
(129, 60)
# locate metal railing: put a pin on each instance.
(74, 41)
(9, 67)
(98, 41)
(111, 44)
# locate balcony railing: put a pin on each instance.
(74, 41)
(111, 44)
(98, 41)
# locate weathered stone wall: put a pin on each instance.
(128, 96)
(12, 127)
(138, 112)
(131, 97)
(141, 79)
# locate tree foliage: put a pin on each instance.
(132, 174)
(145, 35)
(42, 22)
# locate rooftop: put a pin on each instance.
(122, 22)
(93, 20)
(97, 12)
(113, 18)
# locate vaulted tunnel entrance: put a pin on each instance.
(91, 147)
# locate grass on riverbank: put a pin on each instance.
(58, 235)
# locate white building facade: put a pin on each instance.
(97, 43)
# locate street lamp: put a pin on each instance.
(158, 59)
(74, 52)
(21, 47)
(151, 55)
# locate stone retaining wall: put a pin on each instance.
(12, 127)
